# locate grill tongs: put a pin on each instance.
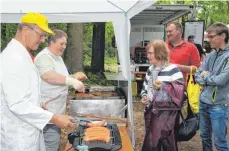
(77, 119)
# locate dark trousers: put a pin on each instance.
(159, 130)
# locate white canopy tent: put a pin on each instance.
(71, 11)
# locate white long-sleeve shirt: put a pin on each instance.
(22, 118)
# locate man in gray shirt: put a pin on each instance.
(213, 75)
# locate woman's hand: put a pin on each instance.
(157, 84)
(144, 100)
(79, 76)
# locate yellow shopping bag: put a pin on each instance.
(193, 90)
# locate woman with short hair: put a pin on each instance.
(54, 84)
(159, 126)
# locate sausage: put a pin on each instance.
(97, 133)
(97, 138)
(97, 124)
(82, 95)
(97, 129)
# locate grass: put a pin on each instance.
(111, 64)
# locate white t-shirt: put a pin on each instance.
(46, 61)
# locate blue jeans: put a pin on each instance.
(213, 121)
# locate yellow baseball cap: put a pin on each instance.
(38, 19)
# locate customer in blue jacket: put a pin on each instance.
(213, 75)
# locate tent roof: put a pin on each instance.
(66, 6)
(72, 10)
(161, 14)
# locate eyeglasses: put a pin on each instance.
(150, 53)
(42, 36)
(212, 36)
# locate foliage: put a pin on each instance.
(213, 11)
(88, 31)
(168, 2)
(93, 79)
(111, 64)
(209, 11)
(8, 34)
(8, 31)
(62, 26)
(109, 50)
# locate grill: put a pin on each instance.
(76, 138)
(99, 100)
(99, 92)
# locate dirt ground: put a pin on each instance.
(193, 145)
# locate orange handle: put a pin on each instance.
(140, 73)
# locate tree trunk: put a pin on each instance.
(98, 47)
(74, 53)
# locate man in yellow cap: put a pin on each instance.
(22, 118)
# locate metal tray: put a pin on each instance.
(119, 91)
(102, 107)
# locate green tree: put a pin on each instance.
(109, 50)
(8, 31)
(213, 11)
(88, 30)
(209, 11)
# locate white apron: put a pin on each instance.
(54, 96)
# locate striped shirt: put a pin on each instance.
(167, 74)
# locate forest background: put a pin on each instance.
(90, 45)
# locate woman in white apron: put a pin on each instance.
(54, 84)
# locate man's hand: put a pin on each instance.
(144, 100)
(203, 73)
(62, 121)
(43, 106)
(157, 84)
(79, 76)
